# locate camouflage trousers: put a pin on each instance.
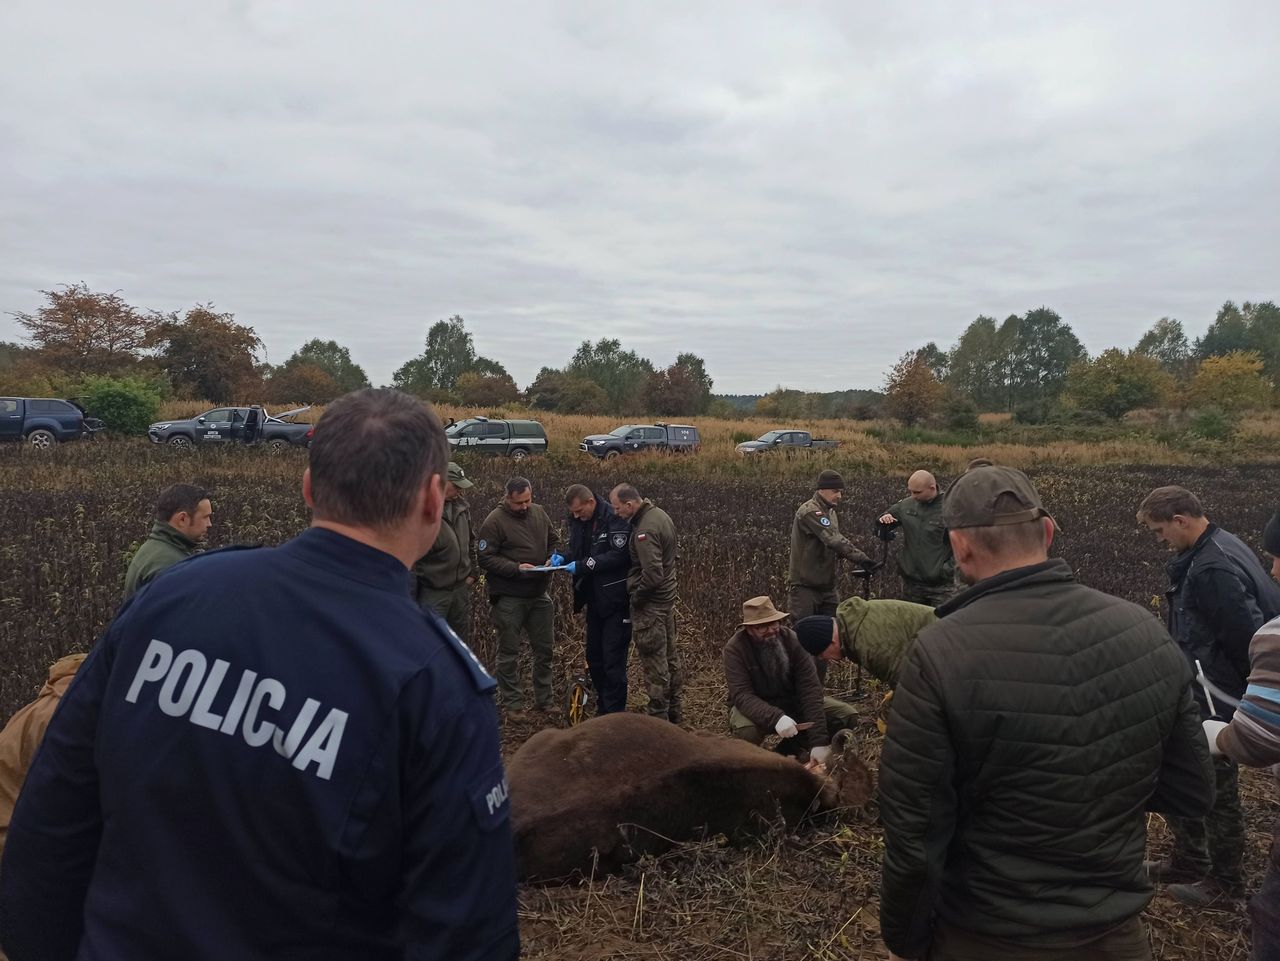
(1214, 845)
(931, 595)
(653, 632)
(804, 602)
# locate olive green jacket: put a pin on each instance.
(879, 634)
(816, 542)
(451, 559)
(507, 540)
(652, 578)
(163, 548)
(925, 555)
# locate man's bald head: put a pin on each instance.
(923, 486)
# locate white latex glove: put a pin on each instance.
(820, 754)
(1211, 729)
(786, 727)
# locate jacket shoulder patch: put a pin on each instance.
(824, 521)
(642, 537)
(620, 540)
(483, 544)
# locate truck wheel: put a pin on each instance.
(277, 445)
(41, 439)
(610, 455)
(519, 454)
(181, 441)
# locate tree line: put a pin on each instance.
(79, 341)
(1034, 366)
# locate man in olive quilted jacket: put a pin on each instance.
(1032, 727)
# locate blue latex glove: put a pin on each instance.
(571, 567)
(555, 561)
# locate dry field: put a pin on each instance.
(70, 518)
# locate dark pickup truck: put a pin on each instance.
(232, 425)
(638, 438)
(786, 440)
(43, 421)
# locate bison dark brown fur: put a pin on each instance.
(623, 785)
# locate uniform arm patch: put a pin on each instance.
(489, 800)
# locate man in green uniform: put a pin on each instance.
(774, 688)
(876, 634)
(183, 516)
(443, 578)
(925, 562)
(516, 537)
(816, 542)
(652, 585)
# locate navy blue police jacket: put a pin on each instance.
(270, 754)
(599, 546)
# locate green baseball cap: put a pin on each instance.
(457, 478)
(971, 501)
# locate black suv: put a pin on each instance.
(639, 438)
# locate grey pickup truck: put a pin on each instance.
(789, 441)
(235, 425)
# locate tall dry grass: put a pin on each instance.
(862, 450)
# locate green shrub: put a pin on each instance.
(741, 437)
(1213, 423)
(961, 415)
(128, 405)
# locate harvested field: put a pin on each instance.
(70, 518)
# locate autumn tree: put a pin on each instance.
(84, 332)
(1114, 383)
(912, 392)
(1232, 382)
(673, 392)
(335, 360)
(207, 354)
(486, 390)
(302, 383)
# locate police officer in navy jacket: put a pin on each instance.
(274, 753)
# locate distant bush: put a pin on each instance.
(741, 437)
(1213, 423)
(127, 405)
(1033, 412)
(961, 414)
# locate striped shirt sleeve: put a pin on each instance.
(1253, 736)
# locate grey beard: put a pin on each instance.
(775, 661)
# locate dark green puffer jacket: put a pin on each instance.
(1032, 728)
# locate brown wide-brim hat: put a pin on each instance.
(972, 499)
(760, 610)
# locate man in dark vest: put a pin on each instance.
(1219, 595)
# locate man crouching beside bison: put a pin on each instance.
(774, 686)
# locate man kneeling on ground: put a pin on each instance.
(774, 686)
(875, 634)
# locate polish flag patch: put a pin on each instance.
(642, 537)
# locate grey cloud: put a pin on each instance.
(799, 193)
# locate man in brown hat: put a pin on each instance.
(1033, 726)
(816, 542)
(774, 686)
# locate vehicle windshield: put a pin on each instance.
(622, 431)
(453, 429)
(770, 436)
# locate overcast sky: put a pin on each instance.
(798, 192)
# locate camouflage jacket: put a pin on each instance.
(879, 634)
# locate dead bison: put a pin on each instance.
(624, 784)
